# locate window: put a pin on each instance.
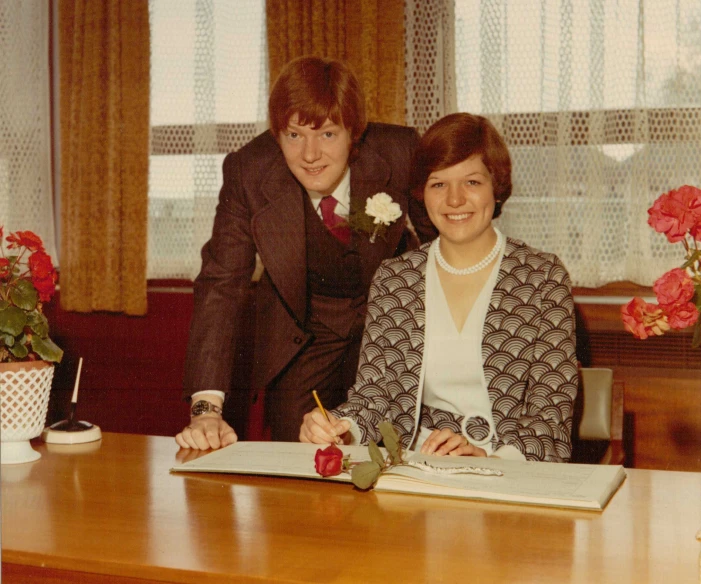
(209, 89)
(599, 104)
(25, 122)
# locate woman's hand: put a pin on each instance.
(445, 441)
(318, 430)
(206, 431)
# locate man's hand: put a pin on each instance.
(205, 432)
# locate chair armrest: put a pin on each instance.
(617, 403)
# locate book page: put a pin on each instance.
(536, 482)
(542, 483)
(292, 459)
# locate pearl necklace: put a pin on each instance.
(488, 259)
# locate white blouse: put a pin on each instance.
(454, 379)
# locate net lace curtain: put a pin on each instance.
(598, 104)
(208, 98)
(25, 134)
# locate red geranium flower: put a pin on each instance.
(4, 265)
(674, 287)
(643, 319)
(43, 275)
(677, 212)
(27, 239)
(681, 315)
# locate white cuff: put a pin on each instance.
(200, 394)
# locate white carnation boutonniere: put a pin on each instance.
(380, 212)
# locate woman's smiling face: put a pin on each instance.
(460, 202)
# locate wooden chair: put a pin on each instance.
(597, 436)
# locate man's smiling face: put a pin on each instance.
(318, 158)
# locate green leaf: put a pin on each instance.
(4, 304)
(7, 340)
(695, 255)
(696, 340)
(38, 323)
(391, 441)
(12, 320)
(376, 453)
(365, 474)
(24, 295)
(19, 350)
(46, 349)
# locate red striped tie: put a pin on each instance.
(338, 226)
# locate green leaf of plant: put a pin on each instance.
(695, 255)
(46, 349)
(696, 340)
(365, 474)
(19, 350)
(4, 304)
(12, 320)
(391, 441)
(7, 340)
(376, 453)
(38, 323)
(24, 295)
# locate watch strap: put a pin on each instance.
(204, 407)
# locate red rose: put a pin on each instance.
(643, 319)
(329, 461)
(674, 287)
(676, 212)
(682, 315)
(26, 239)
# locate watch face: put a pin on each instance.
(200, 407)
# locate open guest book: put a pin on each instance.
(579, 486)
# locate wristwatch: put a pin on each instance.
(203, 407)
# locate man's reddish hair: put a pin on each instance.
(317, 89)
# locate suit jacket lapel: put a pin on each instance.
(370, 174)
(279, 233)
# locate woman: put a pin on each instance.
(469, 342)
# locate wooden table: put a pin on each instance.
(114, 513)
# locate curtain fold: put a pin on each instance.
(367, 34)
(104, 116)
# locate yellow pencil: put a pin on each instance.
(318, 403)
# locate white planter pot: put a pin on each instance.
(24, 402)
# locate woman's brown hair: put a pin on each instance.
(455, 138)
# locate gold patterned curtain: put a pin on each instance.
(104, 100)
(367, 34)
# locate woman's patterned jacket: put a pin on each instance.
(528, 350)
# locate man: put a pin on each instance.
(296, 195)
